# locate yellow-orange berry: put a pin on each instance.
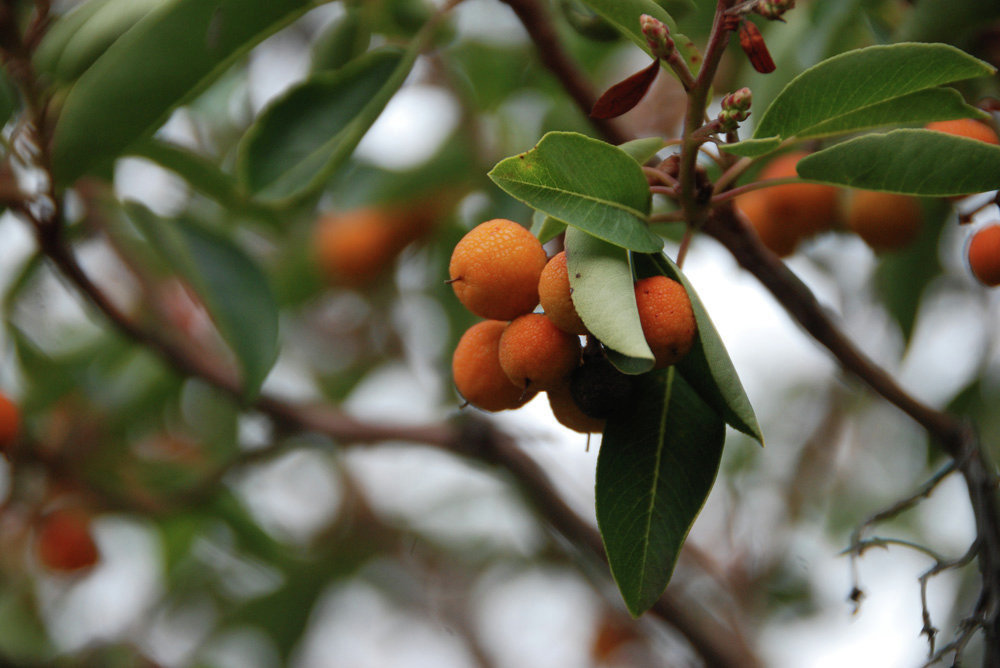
(534, 353)
(10, 422)
(667, 318)
(569, 414)
(984, 255)
(475, 367)
(64, 543)
(555, 295)
(966, 127)
(779, 236)
(885, 221)
(495, 268)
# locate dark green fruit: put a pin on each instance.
(599, 389)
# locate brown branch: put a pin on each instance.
(535, 19)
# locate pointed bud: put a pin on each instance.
(657, 36)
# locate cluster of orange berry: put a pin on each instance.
(785, 215)
(500, 272)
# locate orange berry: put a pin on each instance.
(495, 269)
(966, 127)
(534, 353)
(809, 208)
(569, 414)
(780, 237)
(667, 318)
(984, 255)
(554, 293)
(886, 221)
(354, 248)
(64, 542)
(475, 367)
(10, 422)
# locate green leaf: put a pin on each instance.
(77, 40)
(585, 183)
(301, 138)
(902, 277)
(9, 100)
(624, 15)
(708, 367)
(232, 287)
(202, 174)
(546, 228)
(924, 106)
(643, 150)
(752, 148)
(165, 59)
(656, 466)
(858, 80)
(603, 293)
(346, 39)
(912, 162)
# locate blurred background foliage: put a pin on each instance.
(228, 539)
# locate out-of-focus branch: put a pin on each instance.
(535, 19)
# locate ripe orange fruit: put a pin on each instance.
(984, 255)
(784, 215)
(554, 293)
(10, 422)
(495, 269)
(779, 236)
(886, 221)
(534, 353)
(353, 248)
(667, 318)
(569, 414)
(475, 367)
(64, 542)
(966, 127)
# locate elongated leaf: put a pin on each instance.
(912, 162)
(203, 175)
(752, 148)
(656, 466)
(585, 183)
(232, 287)
(600, 278)
(624, 15)
(167, 57)
(924, 106)
(304, 136)
(708, 367)
(860, 79)
(643, 150)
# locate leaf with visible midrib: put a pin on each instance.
(656, 467)
(862, 78)
(585, 183)
(911, 162)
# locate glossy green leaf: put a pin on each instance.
(861, 79)
(708, 367)
(643, 150)
(924, 106)
(77, 40)
(752, 148)
(232, 287)
(624, 15)
(346, 39)
(600, 278)
(546, 228)
(165, 59)
(657, 464)
(585, 183)
(301, 138)
(912, 162)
